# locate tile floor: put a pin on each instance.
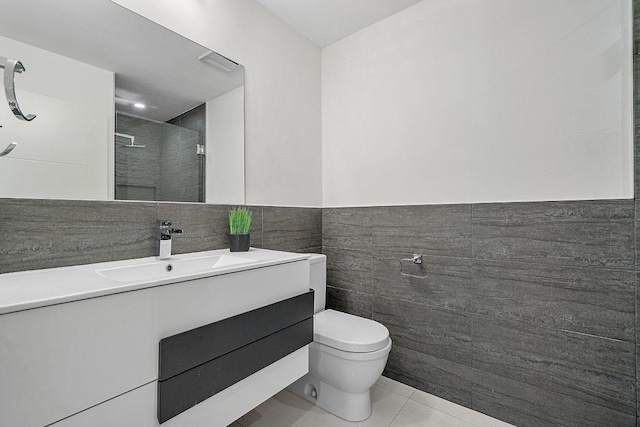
(394, 405)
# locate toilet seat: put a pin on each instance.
(349, 333)
(349, 355)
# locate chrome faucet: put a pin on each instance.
(164, 239)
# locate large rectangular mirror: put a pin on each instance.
(125, 108)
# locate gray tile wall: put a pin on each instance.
(527, 312)
(182, 177)
(55, 233)
(137, 167)
(167, 168)
(180, 165)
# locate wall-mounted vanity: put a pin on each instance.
(91, 65)
(199, 339)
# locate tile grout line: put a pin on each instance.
(410, 397)
(403, 405)
(449, 413)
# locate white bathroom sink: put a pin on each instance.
(23, 290)
(172, 268)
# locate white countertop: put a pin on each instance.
(38, 288)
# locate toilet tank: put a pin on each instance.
(318, 280)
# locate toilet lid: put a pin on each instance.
(349, 333)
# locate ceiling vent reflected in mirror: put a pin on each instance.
(220, 62)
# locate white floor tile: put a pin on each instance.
(415, 414)
(386, 405)
(458, 411)
(394, 405)
(288, 410)
(395, 386)
(283, 409)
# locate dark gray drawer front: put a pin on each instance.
(225, 352)
(189, 349)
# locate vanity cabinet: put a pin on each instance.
(95, 361)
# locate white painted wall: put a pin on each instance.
(225, 148)
(283, 114)
(64, 152)
(455, 101)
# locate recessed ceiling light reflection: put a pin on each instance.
(139, 105)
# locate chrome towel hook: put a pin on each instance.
(7, 150)
(416, 259)
(11, 67)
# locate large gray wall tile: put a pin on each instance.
(181, 177)
(355, 303)
(347, 228)
(440, 333)
(188, 184)
(194, 119)
(592, 369)
(528, 406)
(56, 233)
(292, 229)
(448, 283)
(637, 222)
(443, 230)
(444, 378)
(590, 300)
(205, 227)
(255, 230)
(311, 250)
(636, 123)
(138, 167)
(637, 300)
(584, 233)
(349, 269)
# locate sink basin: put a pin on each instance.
(172, 268)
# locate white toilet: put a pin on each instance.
(346, 357)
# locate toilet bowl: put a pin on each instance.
(346, 357)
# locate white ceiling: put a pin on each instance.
(326, 21)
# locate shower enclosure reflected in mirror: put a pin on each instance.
(126, 108)
(161, 161)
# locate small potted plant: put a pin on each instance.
(239, 223)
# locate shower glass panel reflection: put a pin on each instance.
(160, 161)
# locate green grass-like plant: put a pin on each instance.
(239, 220)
